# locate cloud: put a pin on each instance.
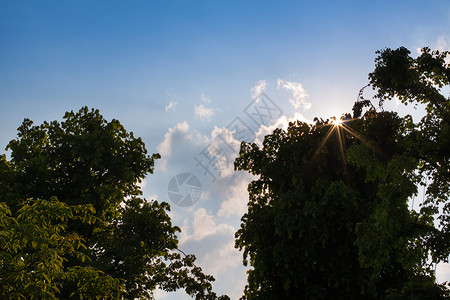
(282, 122)
(236, 196)
(203, 225)
(442, 44)
(212, 243)
(181, 140)
(172, 105)
(443, 272)
(258, 89)
(217, 253)
(203, 113)
(165, 148)
(223, 257)
(225, 148)
(233, 185)
(299, 94)
(205, 232)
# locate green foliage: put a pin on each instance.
(328, 216)
(35, 245)
(95, 237)
(391, 240)
(420, 80)
(299, 231)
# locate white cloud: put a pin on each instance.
(237, 196)
(205, 232)
(225, 148)
(442, 44)
(282, 122)
(172, 105)
(178, 138)
(217, 253)
(159, 294)
(258, 89)
(231, 185)
(202, 226)
(299, 94)
(222, 258)
(443, 272)
(165, 148)
(203, 113)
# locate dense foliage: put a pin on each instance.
(73, 222)
(328, 217)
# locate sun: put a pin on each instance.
(337, 122)
(337, 126)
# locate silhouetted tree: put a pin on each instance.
(73, 220)
(328, 217)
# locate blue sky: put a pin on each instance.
(177, 73)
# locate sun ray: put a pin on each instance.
(330, 131)
(340, 141)
(340, 127)
(336, 126)
(359, 137)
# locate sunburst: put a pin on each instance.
(340, 127)
(337, 126)
(337, 122)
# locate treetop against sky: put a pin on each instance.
(182, 76)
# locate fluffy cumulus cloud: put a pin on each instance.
(208, 232)
(181, 140)
(258, 89)
(223, 258)
(236, 196)
(203, 112)
(217, 253)
(208, 227)
(299, 94)
(165, 148)
(282, 122)
(203, 225)
(225, 148)
(171, 106)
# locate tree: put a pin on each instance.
(420, 81)
(299, 229)
(86, 163)
(34, 247)
(390, 240)
(328, 217)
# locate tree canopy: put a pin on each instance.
(73, 223)
(328, 216)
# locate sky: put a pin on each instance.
(187, 77)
